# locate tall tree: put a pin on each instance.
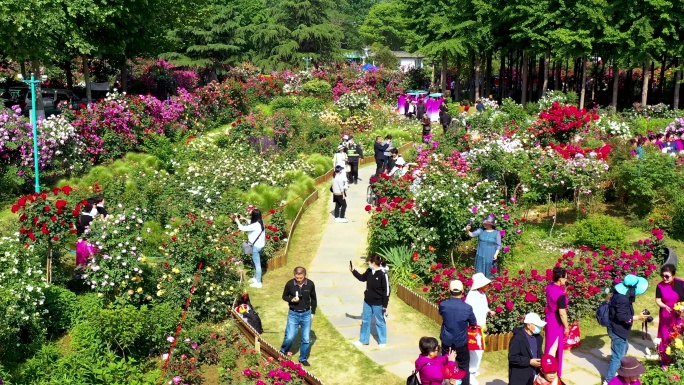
(387, 25)
(297, 29)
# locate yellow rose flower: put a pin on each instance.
(679, 344)
(160, 293)
(139, 290)
(668, 351)
(176, 270)
(209, 269)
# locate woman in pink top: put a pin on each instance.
(629, 372)
(668, 293)
(429, 365)
(557, 326)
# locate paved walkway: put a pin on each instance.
(340, 295)
(340, 298)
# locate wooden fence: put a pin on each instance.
(263, 347)
(493, 342)
(281, 260)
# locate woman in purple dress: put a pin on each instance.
(557, 326)
(668, 293)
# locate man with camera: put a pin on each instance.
(622, 317)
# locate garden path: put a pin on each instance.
(340, 298)
(340, 295)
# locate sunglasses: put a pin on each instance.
(666, 276)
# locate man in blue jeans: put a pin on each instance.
(622, 318)
(457, 316)
(300, 294)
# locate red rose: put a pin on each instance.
(378, 209)
(22, 201)
(56, 238)
(60, 203)
(276, 239)
(53, 218)
(45, 230)
(15, 208)
(384, 221)
(31, 236)
(271, 211)
(55, 191)
(66, 190)
(368, 208)
(46, 208)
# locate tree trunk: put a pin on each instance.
(616, 84)
(565, 79)
(557, 75)
(476, 72)
(23, 69)
(678, 79)
(661, 82)
(69, 75)
(40, 108)
(594, 66)
(488, 75)
(502, 76)
(457, 91)
(443, 79)
(86, 75)
(518, 61)
(547, 60)
(644, 86)
(124, 76)
(525, 65)
(583, 87)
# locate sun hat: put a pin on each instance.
(453, 373)
(549, 363)
(479, 280)
(340, 147)
(400, 162)
(456, 285)
(630, 367)
(534, 319)
(640, 284)
(489, 220)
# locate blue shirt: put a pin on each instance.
(456, 317)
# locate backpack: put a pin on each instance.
(603, 314)
(413, 378)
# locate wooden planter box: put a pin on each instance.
(493, 342)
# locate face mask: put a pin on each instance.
(537, 330)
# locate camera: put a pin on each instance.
(648, 313)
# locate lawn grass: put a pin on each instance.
(332, 358)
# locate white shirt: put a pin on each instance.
(480, 306)
(340, 159)
(254, 229)
(339, 183)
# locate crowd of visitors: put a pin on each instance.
(668, 143)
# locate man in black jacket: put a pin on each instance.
(380, 147)
(525, 351)
(300, 294)
(622, 318)
(354, 152)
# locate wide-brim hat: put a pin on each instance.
(479, 280)
(640, 284)
(630, 367)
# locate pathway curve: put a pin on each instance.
(340, 298)
(340, 295)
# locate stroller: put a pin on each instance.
(246, 310)
(372, 196)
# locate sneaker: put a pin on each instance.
(251, 280)
(305, 363)
(382, 346)
(357, 343)
(343, 220)
(256, 285)
(337, 220)
(605, 382)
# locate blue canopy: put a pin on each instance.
(435, 95)
(369, 67)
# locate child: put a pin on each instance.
(549, 372)
(452, 375)
(629, 372)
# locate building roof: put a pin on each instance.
(406, 55)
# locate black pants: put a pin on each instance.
(340, 206)
(379, 166)
(353, 174)
(462, 360)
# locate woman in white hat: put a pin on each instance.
(478, 300)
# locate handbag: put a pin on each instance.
(475, 338)
(248, 247)
(413, 378)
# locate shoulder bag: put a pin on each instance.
(248, 247)
(413, 378)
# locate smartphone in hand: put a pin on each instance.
(351, 267)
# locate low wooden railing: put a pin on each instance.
(493, 342)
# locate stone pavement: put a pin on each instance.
(340, 299)
(340, 295)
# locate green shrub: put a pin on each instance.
(265, 197)
(677, 219)
(317, 129)
(317, 87)
(322, 163)
(311, 104)
(283, 102)
(642, 125)
(600, 230)
(61, 305)
(514, 110)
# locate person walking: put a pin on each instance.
(339, 190)
(445, 120)
(375, 299)
(257, 237)
(427, 127)
(354, 152)
(457, 316)
(477, 299)
(556, 316)
(668, 292)
(300, 294)
(488, 246)
(622, 318)
(525, 351)
(421, 109)
(379, 148)
(453, 90)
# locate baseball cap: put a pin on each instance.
(533, 318)
(549, 363)
(456, 285)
